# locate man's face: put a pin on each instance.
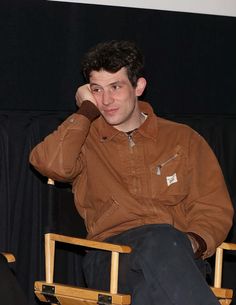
(116, 98)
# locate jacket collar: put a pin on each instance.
(147, 129)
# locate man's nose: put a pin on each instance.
(107, 97)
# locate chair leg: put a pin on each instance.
(50, 256)
(114, 272)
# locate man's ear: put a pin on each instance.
(140, 87)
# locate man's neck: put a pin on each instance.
(135, 125)
(143, 117)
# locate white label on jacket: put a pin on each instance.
(171, 179)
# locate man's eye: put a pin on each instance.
(96, 90)
(115, 87)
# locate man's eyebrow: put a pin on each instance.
(110, 84)
(115, 83)
(94, 84)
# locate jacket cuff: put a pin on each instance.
(201, 243)
(89, 110)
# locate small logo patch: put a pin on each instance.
(171, 179)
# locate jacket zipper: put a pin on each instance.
(159, 167)
(131, 141)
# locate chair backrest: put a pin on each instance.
(60, 216)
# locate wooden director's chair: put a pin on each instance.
(55, 293)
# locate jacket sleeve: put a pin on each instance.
(208, 208)
(58, 156)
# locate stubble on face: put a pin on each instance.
(116, 98)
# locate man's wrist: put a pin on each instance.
(198, 244)
(89, 110)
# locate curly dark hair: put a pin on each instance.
(113, 55)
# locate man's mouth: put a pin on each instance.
(110, 111)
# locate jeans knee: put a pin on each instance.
(164, 238)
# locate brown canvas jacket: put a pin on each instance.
(164, 173)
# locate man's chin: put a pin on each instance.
(111, 121)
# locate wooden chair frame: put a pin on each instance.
(53, 293)
(224, 295)
(68, 295)
(9, 256)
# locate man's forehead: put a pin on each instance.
(104, 77)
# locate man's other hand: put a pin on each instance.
(84, 93)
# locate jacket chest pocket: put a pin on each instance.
(169, 181)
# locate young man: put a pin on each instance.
(139, 180)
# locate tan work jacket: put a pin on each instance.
(164, 173)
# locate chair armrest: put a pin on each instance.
(89, 243)
(51, 238)
(9, 256)
(228, 246)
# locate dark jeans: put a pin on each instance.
(161, 270)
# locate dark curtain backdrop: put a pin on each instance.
(191, 74)
(190, 58)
